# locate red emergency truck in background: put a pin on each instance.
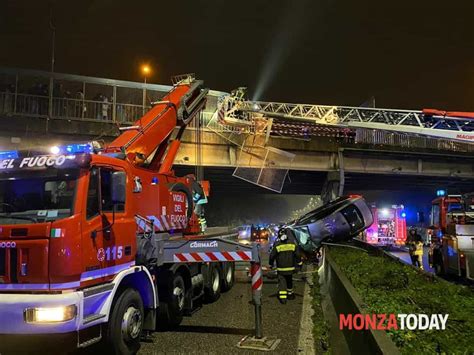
(452, 235)
(389, 226)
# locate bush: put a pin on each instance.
(388, 286)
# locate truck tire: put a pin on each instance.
(125, 323)
(228, 277)
(171, 312)
(212, 291)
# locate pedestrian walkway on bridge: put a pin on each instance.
(33, 93)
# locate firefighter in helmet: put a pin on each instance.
(287, 258)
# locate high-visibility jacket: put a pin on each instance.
(412, 241)
(286, 255)
(418, 248)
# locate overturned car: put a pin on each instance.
(337, 221)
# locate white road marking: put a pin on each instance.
(305, 338)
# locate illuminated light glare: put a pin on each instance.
(146, 69)
(54, 149)
(9, 154)
(403, 214)
(51, 315)
(385, 212)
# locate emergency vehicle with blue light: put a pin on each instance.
(101, 243)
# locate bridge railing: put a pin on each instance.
(39, 106)
(65, 96)
(410, 142)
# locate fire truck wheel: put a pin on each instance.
(177, 300)
(125, 324)
(228, 276)
(212, 292)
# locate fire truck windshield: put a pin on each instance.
(37, 196)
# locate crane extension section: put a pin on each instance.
(234, 109)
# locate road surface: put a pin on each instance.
(218, 327)
(403, 255)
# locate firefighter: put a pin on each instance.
(415, 248)
(287, 258)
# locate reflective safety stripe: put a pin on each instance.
(286, 247)
(282, 296)
(300, 263)
(282, 292)
(285, 268)
(290, 290)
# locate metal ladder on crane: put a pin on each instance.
(235, 111)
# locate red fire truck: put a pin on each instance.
(452, 235)
(102, 243)
(389, 226)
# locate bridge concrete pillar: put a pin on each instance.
(333, 187)
(232, 156)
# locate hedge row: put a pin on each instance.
(387, 286)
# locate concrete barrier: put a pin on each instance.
(346, 300)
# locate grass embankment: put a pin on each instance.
(321, 327)
(388, 287)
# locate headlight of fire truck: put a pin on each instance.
(50, 314)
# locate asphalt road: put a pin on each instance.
(217, 328)
(403, 255)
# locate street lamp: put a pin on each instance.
(146, 70)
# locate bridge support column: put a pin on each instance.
(334, 185)
(232, 156)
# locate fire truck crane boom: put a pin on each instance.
(234, 109)
(152, 131)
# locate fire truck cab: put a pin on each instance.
(389, 226)
(452, 235)
(100, 243)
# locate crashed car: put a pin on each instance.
(339, 220)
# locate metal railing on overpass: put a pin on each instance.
(409, 142)
(33, 93)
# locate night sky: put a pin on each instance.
(408, 54)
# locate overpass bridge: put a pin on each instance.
(39, 108)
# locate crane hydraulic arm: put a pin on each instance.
(148, 139)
